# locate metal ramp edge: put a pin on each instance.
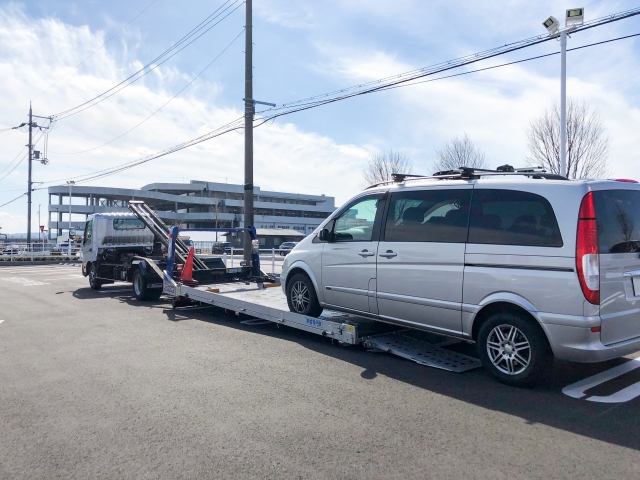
(423, 353)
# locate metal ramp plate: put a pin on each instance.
(423, 353)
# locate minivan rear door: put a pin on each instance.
(618, 222)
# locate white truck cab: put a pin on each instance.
(118, 247)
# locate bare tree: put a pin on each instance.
(381, 165)
(587, 145)
(459, 152)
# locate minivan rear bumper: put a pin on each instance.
(580, 344)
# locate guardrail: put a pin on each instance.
(37, 251)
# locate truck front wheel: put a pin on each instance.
(140, 290)
(94, 283)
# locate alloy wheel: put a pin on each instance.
(509, 349)
(300, 296)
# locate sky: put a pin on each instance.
(301, 48)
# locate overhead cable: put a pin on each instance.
(95, 51)
(164, 105)
(238, 125)
(156, 62)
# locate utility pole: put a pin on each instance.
(249, 108)
(29, 180)
(563, 103)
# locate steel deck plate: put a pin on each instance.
(423, 352)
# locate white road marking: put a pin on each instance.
(576, 390)
(1, 321)
(25, 282)
(67, 277)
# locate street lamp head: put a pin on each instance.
(575, 16)
(70, 182)
(552, 25)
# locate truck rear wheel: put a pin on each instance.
(94, 283)
(140, 290)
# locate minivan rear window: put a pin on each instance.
(511, 217)
(618, 220)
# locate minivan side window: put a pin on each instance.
(356, 223)
(428, 216)
(618, 220)
(511, 217)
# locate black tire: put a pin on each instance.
(301, 296)
(282, 253)
(94, 283)
(140, 290)
(514, 349)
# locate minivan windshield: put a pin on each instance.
(618, 220)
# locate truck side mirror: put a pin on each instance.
(324, 235)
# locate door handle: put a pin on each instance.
(366, 253)
(388, 254)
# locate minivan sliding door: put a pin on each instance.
(421, 257)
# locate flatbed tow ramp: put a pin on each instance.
(246, 290)
(269, 303)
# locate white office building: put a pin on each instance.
(197, 204)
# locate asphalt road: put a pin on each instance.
(97, 385)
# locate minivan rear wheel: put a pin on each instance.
(514, 349)
(301, 296)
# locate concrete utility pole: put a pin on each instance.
(29, 180)
(563, 103)
(248, 130)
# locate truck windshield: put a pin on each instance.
(618, 220)
(128, 224)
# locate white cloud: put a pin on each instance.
(10, 223)
(285, 156)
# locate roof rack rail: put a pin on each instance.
(468, 173)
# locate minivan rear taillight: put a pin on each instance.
(587, 258)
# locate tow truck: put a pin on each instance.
(245, 290)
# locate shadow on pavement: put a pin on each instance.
(544, 404)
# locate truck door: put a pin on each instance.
(87, 242)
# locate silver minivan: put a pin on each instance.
(528, 265)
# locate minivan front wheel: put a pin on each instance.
(514, 349)
(301, 296)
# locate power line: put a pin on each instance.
(21, 160)
(237, 125)
(404, 82)
(155, 63)
(510, 63)
(11, 201)
(231, 126)
(95, 51)
(458, 62)
(164, 105)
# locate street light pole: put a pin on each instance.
(29, 188)
(563, 103)
(70, 183)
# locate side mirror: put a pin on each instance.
(324, 235)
